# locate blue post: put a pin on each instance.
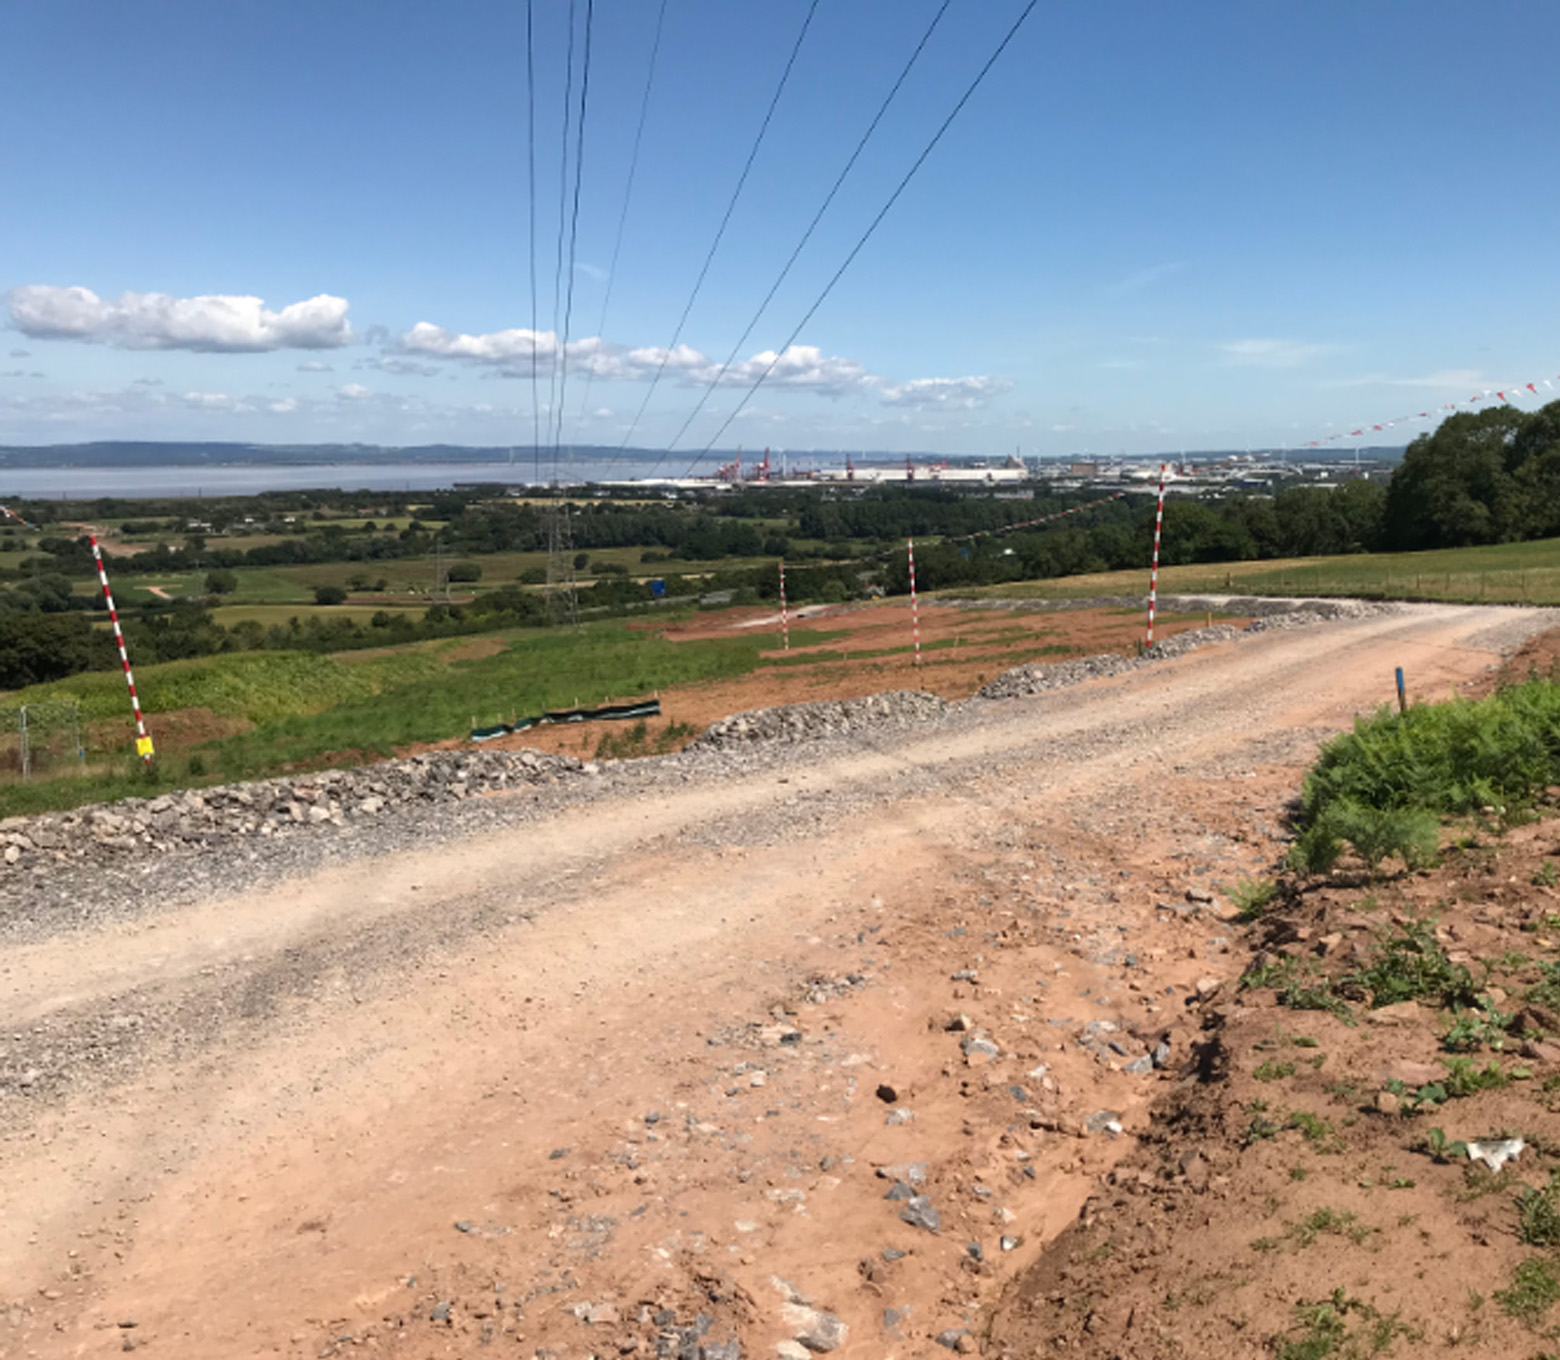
(1402, 695)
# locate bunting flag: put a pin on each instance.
(11, 514)
(1500, 394)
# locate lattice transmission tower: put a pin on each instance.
(562, 604)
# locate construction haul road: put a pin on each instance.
(637, 1076)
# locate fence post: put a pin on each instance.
(785, 624)
(1153, 573)
(915, 609)
(143, 743)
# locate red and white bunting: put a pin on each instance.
(915, 609)
(1153, 575)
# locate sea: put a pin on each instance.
(247, 479)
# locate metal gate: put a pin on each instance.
(40, 738)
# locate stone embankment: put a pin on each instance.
(1026, 680)
(202, 818)
(825, 718)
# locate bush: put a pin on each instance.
(329, 595)
(465, 571)
(221, 582)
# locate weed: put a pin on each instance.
(1546, 876)
(1546, 991)
(1322, 1330)
(1299, 985)
(1318, 1132)
(1464, 1079)
(1533, 1291)
(1475, 1029)
(1273, 1070)
(1411, 965)
(1298, 1173)
(1538, 1213)
(1252, 896)
(1435, 1143)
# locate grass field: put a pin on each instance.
(1507, 573)
(302, 710)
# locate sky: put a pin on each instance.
(1151, 227)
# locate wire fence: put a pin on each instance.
(40, 739)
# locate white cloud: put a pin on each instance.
(800, 368)
(19, 373)
(1272, 353)
(354, 392)
(207, 324)
(286, 406)
(208, 401)
(406, 368)
(21, 354)
(314, 366)
(963, 394)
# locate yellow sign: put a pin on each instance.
(143, 746)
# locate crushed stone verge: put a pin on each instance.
(1023, 681)
(825, 718)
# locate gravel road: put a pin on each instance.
(255, 1010)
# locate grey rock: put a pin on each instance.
(1103, 1121)
(1139, 1067)
(819, 1331)
(1011, 1243)
(979, 1043)
(1161, 1054)
(920, 1213)
(951, 1337)
(900, 1191)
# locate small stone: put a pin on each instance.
(1387, 1103)
(900, 1191)
(820, 1332)
(1399, 1013)
(887, 1094)
(894, 1254)
(1206, 987)
(979, 1044)
(1011, 1243)
(1198, 895)
(465, 1225)
(1139, 1067)
(919, 1213)
(958, 1024)
(950, 1339)
(441, 1312)
(1161, 1054)
(975, 1251)
(900, 1116)
(557, 1154)
(1103, 1121)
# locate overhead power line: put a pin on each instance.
(628, 193)
(872, 227)
(574, 231)
(530, 137)
(725, 221)
(563, 210)
(811, 227)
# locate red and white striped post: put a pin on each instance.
(915, 608)
(785, 622)
(1153, 576)
(143, 743)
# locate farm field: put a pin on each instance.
(1506, 573)
(251, 714)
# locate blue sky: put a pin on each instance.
(1152, 227)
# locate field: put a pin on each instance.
(251, 714)
(1506, 573)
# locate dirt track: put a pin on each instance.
(447, 1136)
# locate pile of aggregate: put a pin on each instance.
(200, 819)
(826, 718)
(1023, 681)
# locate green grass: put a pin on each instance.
(1506, 572)
(1533, 1291)
(309, 710)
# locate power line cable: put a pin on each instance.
(883, 212)
(725, 220)
(574, 231)
(530, 137)
(628, 193)
(811, 227)
(563, 208)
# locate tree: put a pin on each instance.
(34, 649)
(465, 571)
(221, 582)
(329, 595)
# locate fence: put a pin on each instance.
(40, 738)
